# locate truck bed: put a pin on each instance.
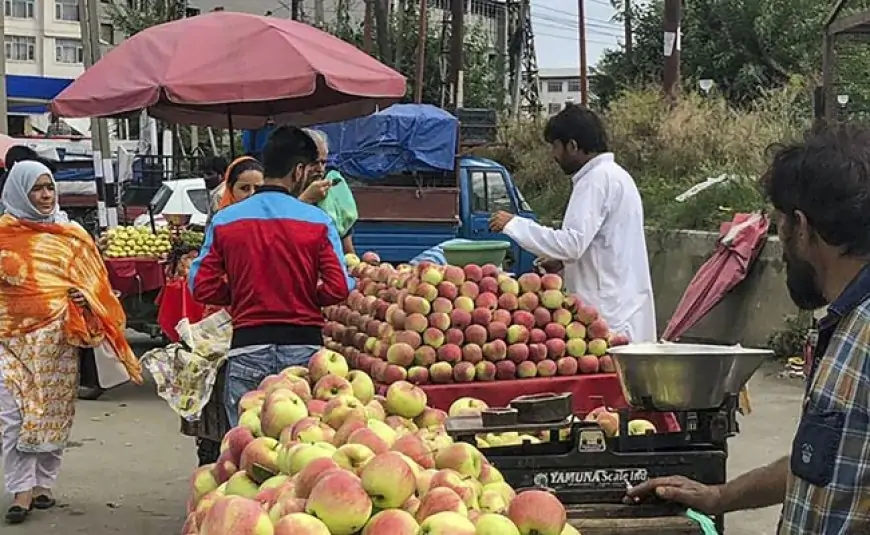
(398, 242)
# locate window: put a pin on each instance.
(20, 48)
(553, 108)
(489, 193)
(554, 87)
(573, 86)
(107, 34)
(19, 9)
(66, 10)
(68, 51)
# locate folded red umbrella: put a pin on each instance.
(224, 68)
(740, 242)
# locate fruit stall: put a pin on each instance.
(147, 267)
(474, 331)
(466, 401)
(318, 451)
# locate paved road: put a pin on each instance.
(127, 468)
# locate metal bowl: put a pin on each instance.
(681, 377)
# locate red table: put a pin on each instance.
(175, 303)
(134, 276)
(588, 392)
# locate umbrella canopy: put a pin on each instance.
(740, 242)
(205, 69)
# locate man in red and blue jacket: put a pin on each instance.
(274, 261)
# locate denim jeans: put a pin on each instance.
(246, 369)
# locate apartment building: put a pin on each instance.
(558, 86)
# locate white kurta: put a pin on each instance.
(602, 246)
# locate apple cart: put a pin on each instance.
(589, 470)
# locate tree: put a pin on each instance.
(484, 78)
(131, 18)
(745, 46)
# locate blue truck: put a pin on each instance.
(413, 187)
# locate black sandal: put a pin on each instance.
(17, 515)
(43, 502)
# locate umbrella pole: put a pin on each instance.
(232, 135)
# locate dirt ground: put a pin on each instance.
(127, 467)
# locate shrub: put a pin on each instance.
(668, 149)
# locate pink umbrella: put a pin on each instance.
(227, 69)
(740, 242)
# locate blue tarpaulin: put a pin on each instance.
(34, 87)
(401, 138)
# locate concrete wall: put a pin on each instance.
(748, 315)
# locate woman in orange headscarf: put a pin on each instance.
(241, 179)
(55, 298)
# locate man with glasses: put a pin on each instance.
(275, 261)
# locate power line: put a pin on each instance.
(574, 30)
(566, 25)
(559, 17)
(574, 39)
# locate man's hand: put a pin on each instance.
(548, 265)
(499, 220)
(316, 191)
(78, 298)
(703, 498)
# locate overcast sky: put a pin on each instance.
(555, 26)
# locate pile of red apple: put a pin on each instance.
(316, 452)
(447, 324)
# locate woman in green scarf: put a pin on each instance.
(331, 193)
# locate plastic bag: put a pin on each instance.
(339, 204)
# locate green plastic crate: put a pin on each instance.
(476, 252)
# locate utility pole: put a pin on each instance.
(104, 173)
(457, 34)
(672, 47)
(629, 30)
(420, 70)
(581, 34)
(294, 9)
(4, 108)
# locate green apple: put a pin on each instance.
(382, 430)
(405, 399)
(389, 480)
(492, 524)
(353, 457)
(307, 453)
(240, 484)
(447, 523)
(282, 408)
(300, 523)
(363, 387)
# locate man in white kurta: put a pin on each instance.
(601, 245)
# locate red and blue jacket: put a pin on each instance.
(275, 261)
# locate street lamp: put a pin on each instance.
(842, 100)
(706, 85)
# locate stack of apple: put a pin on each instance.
(316, 452)
(447, 324)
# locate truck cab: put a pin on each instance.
(412, 187)
(486, 187)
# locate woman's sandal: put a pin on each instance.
(43, 502)
(17, 515)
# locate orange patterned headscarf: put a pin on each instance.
(227, 197)
(39, 264)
